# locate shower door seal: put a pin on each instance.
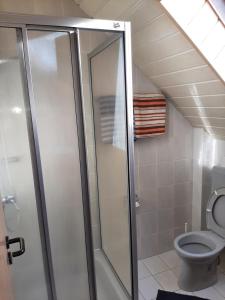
(24, 22)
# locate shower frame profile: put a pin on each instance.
(73, 26)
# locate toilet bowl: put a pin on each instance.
(199, 250)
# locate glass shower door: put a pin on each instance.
(40, 169)
(56, 127)
(43, 184)
(105, 117)
(17, 190)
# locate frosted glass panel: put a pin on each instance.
(16, 179)
(51, 68)
(109, 106)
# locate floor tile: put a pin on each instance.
(142, 270)
(155, 265)
(149, 287)
(171, 258)
(221, 269)
(220, 285)
(209, 293)
(140, 297)
(165, 269)
(176, 271)
(184, 292)
(167, 280)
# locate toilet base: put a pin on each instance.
(197, 276)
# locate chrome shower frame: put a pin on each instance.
(72, 25)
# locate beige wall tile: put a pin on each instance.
(160, 193)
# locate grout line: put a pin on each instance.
(130, 11)
(171, 269)
(214, 107)
(142, 295)
(170, 56)
(199, 96)
(190, 84)
(168, 267)
(199, 117)
(157, 40)
(180, 71)
(149, 23)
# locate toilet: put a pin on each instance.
(200, 250)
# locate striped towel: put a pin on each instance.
(149, 115)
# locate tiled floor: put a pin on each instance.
(161, 272)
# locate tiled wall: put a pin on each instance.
(198, 149)
(163, 183)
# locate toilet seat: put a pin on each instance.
(215, 211)
(207, 239)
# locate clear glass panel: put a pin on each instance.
(51, 68)
(16, 178)
(105, 125)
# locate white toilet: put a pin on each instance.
(199, 250)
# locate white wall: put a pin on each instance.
(208, 152)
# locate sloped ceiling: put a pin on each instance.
(169, 59)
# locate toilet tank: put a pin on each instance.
(218, 178)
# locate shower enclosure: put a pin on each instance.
(67, 213)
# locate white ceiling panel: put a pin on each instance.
(214, 42)
(150, 52)
(213, 112)
(216, 131)
(214, 122)
(113, 9)
(170, 59)
(91, 7)
(207, 101)
(193, 75)
(195, 89)
(182, 60)
(202, 24)
(160, 28)
(142, 14)
(183, 13)
(203, 30)
(218, 137)
(219, 63)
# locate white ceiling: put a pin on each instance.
(167, 56)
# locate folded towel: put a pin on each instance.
(149, 115)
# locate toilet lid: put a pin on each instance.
(216, 212)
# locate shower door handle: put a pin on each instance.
(19, 252)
